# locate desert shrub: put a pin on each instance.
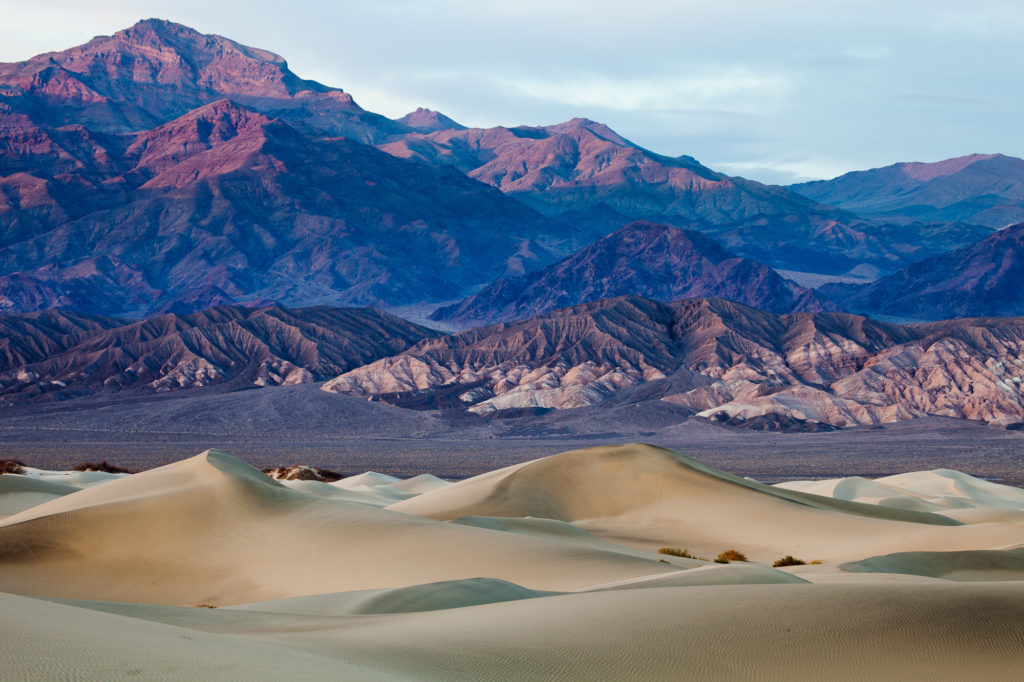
(730, 555)
(815, 562)
(789, 560)
(11, 466)
(680, 552)
(675, 551)
(103, 466)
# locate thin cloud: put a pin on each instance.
(735, 89)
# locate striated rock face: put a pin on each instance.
(644, 259)
(724, 361)
(984, 189)
(982, 279)
(53, 356)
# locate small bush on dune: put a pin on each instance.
(730, 555)
(103, 466)
(680, 552)
(11, 466)
(789, 560)
(815, 562)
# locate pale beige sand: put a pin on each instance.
(648, 497)
(423, 483)
(19, 492)
(51, 641)
(451, 594)
(468, 581)
(322, 489)
(938, 490)
(969, 566)
(213, 530)
(762, 632)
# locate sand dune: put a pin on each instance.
(36, 486)
(214, 530)
(18, 493)
(648, 497)
(968, 566)
(938, 490)
(764, 632)
(544, 570)
(44, 640)
(450, 594)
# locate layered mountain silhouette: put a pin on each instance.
(645, 259)
(717, 359)
(428, 121)
(163, 170)
(984, 189)
(225, 204)
(157, 70)
(584, 173)
(56, 355)
(583, 165)
(983, 279)
(704, 357)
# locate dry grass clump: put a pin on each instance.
(680, 552)
(789, 560)
(730, 555)
(103, 466)
(11, 466)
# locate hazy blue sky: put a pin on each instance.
(775, 91)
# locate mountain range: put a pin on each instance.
(163, 170)
(718, 360)
(179, 211)
(55, 355)
(643, 259)
(132, 184)
(982, 279)
(586, 174)
(981, 189)
(705, 358)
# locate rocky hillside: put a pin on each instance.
(137, 195)
(584, 173)
(979, 280)
(645, 259)
(721, 360)
(53, 356)
(582, 165)
(984, 189)
(157, 70)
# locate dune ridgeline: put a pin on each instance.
(607, 562)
